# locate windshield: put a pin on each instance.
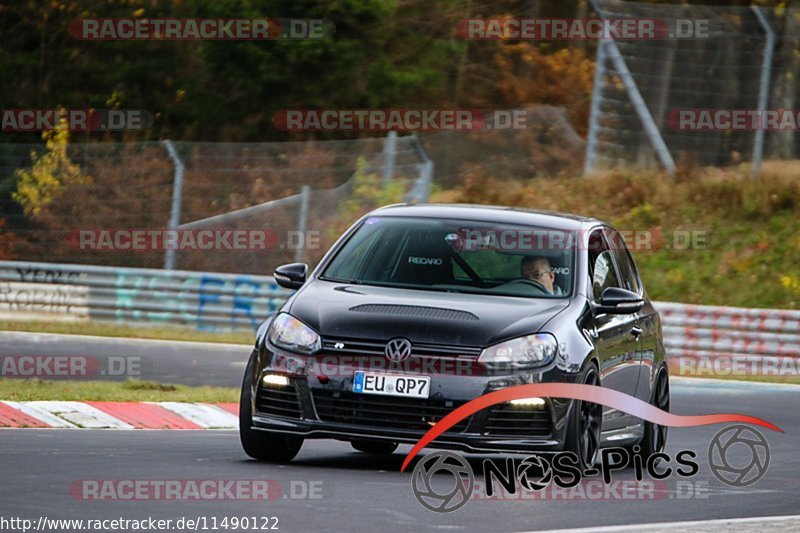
(457, 256)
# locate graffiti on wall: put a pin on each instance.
(207, 302)
(204, 301)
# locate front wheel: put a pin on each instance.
(259, 444)
(655, 436)
(585, 424)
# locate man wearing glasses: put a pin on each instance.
(538, 270)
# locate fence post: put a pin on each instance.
(763, 89)
(427, 180)
(422, 185)
(389, 152)
(639, 105)
(594, 114)
(299, 253)
(177, 193)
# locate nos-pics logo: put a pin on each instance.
(444, 481)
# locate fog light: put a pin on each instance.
(275, 380)
(528, 402)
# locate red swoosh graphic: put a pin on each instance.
(590, 393)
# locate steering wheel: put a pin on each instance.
(531, 282)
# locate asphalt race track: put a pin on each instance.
(187, 363)
(356, 492)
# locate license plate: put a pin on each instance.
(391, 384)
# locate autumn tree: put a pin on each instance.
(50, 172)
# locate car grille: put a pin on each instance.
(383, 411)
(373, 347)
(278, 401)
(509, 421)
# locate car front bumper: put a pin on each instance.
(318, 402)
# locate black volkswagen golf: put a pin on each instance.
(419, 309)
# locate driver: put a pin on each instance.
(538, 270)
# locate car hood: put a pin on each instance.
(337, 310)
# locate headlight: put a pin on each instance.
(523, 352)
(290, 334)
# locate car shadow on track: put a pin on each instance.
(359, 461)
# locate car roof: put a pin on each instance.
(491, 213)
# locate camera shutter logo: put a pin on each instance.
(398, 350)
(738, 456)
(534, 473)
(428, 467)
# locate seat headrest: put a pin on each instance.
(426, 260)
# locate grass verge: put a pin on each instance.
(112, 391)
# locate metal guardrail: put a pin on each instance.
(213, 301)
(202, 300)
(702, 331)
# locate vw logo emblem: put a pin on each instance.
(398, 349)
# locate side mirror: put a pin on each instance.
(616, 301)
(291, 276)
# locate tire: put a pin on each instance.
(655, 436)
(376, 447)
(260, 444)
(585, 424)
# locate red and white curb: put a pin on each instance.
(119, 415)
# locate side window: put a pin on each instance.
(596, 246)
(605, 275)
(627, 269)
(602, 270)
